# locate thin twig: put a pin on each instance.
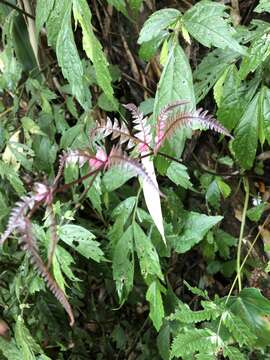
(17, 8)
(243, 221)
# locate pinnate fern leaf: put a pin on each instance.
(18, 212)
(107, 127)
(141, 125)
(187, 119)
(118, 158)
(28, 242)
(195, 341)
(186, 315)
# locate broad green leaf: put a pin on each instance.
(257, 53)
(9, 349)
(147, 254)
(178, 174)
(235, 97)
(224, 241)
(255, 213)
(212, 194)
(233, 353)
(254, 310)
(153, 296)
(266, 114)
(246, 135)
(93, 49)
(125, 207)
(70, 61)
(175, 83)
(163, 342)
(152, 196)
(43, 10)
(82, 241)
(116, 177)
(9, 173)
(264, 5)
(157, 22)
(149, 48)
(207, 22)
(54, 22)
(195, 227)
(25, 341)
(123, 264)
(210, 69)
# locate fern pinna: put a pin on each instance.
(145, 141)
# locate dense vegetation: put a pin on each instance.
(134, 179)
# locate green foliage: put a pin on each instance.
(114, 225)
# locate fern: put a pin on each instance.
(144, 129)
(186, 315)
(193, 341)
(17, 213)
(118, 158)
(187, 119)
(27, 240)
(107, 127)
(233, 353)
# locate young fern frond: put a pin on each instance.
(19, 211)
(118, 158)
(186, 315)
(28, 243)
(187, 119)
(141, 125)
(106, 128)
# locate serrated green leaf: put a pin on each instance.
(43, 10)
(212, 194)
(25, 341)
(147, 254)
(93, 50)
(233, 353)
(157, 22)
(246, 135)
(235, 98)
(175, 83)
(254, 310)
(178, 174)
(239, 330)
(195, 340)
(184, 314)
(206, 22)
(255, 213)
(257, 53)
(116, 177)
(210, 70)
(264, 5)
(195, 227)
(163, 342)
(70, 62)
(9, 173)
(123, 264)
(10, 350)
(153, 295)
(149, 48)
(54, 22)
(82, 241)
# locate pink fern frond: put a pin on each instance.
(187, 119)
(118, 158)
(144, 129)
(28, 243)
(107, 127)
(17, 213)
(164, 115)
(99, 160)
